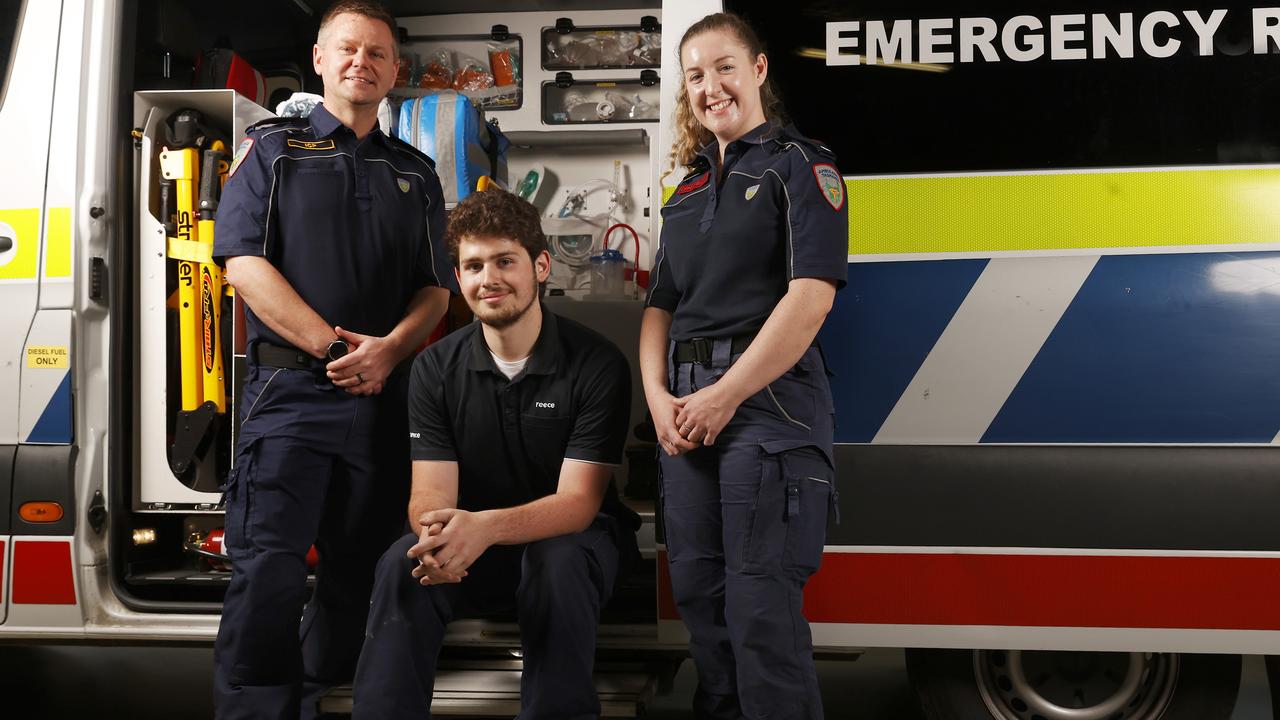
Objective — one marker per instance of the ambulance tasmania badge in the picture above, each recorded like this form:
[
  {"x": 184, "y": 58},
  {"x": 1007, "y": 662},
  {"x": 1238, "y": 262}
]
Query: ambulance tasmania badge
[
  {"x": 831, "y": 184},
  {"x": 403, "y": 184},
  {"x": 241, "y": 152}
]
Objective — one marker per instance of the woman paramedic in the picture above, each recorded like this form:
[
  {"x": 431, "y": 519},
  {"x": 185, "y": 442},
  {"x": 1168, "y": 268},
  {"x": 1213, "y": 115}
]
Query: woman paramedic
[{"x": 754, "y": 246}]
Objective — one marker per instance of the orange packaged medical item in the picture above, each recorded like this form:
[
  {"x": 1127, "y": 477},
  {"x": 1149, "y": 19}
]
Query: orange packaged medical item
[{"x": 500, "y": 64}]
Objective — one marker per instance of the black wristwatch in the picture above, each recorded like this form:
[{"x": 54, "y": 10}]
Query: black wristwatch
[{"x": 337, "y": 349}]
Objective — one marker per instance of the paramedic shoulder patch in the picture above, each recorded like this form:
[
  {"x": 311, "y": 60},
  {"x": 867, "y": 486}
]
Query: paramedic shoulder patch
[
  {"x": 831, "y": 184},
  {"x": 311, "y": 144},
  {"x": 241, "y": 153}
]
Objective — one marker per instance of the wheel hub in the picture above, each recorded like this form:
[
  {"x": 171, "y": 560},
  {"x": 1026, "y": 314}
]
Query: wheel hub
[{"x": 1045, "y": 685}]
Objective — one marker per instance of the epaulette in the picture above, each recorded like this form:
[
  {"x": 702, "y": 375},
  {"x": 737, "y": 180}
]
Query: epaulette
[
  {"x": 399, "y": 144},
  {"x": 272, "y": 122},
  {"x": 789, "y": 136}
]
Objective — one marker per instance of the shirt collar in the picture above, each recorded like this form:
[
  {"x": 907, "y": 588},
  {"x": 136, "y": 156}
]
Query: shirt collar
[
  {"x": 755, "y": 136},
  {"x": 544, "y": 360},
  {"x": 323, "y": 122},
  {"x": 760, "y": 133}
]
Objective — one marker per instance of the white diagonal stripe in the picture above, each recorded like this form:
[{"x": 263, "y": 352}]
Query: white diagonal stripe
[
  {"x": 982, "y": 354},
  {"x": 1276, "y": 439}
]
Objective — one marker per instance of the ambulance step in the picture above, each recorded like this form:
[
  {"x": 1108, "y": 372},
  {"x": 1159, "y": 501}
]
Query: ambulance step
[{"x": 491, "y": 688}]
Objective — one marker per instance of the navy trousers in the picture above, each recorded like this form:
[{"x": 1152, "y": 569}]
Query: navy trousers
[
  {"x": 745, "y": 523},
  {"x": 555, "y": 587},
  {"x": 314, "y": 464}
]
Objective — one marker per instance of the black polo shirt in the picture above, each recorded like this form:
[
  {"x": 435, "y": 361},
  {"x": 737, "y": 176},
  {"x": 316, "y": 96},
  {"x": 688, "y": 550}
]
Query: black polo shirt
[
  {"x": 355, "y": 226},
  {"x": 509, "y": 437},
  {"x": 732, "y": 242}
]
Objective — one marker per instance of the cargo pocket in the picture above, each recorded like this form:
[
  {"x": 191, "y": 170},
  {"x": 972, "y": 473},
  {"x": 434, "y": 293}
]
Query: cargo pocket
[
  {"x": 788, "y": 527},
  {"x": 660, "y": 517},
  {"x": 237, "y": 495}
]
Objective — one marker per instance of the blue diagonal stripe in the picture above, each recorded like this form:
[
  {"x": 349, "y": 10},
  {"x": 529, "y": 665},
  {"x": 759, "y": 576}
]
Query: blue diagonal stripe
[
  {"x": 54, "y": 425},
  {"x": 883, "y": 325},
  {"x": 1158, "y": 349}
]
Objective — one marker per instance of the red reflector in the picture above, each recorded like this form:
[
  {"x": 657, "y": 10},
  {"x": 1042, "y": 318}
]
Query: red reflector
[
  {"x": 40, "y": 512},
  {"x": 42, "y": 573}
]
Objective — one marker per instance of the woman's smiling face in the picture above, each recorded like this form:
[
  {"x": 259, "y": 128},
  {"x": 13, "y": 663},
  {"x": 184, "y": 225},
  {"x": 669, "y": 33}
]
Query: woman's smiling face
[{"x": 723, "y": 84}]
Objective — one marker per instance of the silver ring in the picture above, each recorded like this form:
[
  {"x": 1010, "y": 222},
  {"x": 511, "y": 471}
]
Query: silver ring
[{"x": 360, "y": 378}]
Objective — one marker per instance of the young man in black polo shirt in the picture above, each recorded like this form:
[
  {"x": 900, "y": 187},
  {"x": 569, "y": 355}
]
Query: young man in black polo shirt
[{"x": 515, "y": 424}]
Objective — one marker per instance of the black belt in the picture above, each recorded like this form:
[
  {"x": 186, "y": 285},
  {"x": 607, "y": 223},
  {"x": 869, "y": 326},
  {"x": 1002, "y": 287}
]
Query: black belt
[
  {"x": 698, "y": 350},
  {"x": 283, "y": 357}
]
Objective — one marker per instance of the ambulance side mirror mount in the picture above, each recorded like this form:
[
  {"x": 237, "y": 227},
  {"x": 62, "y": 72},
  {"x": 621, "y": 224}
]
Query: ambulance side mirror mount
[{"x": 6, "y": 244}]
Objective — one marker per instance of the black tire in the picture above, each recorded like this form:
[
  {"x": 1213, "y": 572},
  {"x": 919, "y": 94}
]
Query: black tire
[{"x": 946, "y": 685}]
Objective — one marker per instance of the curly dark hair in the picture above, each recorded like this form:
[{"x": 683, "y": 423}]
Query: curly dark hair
[
  {"x": 368, "y": 8},
  {"x": 495, "y": 214}
]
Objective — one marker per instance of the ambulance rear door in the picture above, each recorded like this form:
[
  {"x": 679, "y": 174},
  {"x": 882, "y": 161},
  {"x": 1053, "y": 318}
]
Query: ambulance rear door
[{"x": 28, "y": 50}]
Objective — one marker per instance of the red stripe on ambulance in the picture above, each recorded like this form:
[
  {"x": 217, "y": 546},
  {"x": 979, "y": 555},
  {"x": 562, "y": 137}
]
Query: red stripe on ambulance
[
  {"x": 42, "y": 573},
  {"x": 1220, "y": 593}
]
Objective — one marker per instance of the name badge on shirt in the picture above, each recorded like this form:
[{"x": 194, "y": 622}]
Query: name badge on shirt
[{"x": 311, "y": 144}]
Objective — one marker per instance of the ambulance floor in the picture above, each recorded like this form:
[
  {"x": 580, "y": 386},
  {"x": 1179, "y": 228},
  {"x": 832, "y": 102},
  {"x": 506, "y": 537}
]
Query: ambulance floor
[{"x": 150, "y": 683}]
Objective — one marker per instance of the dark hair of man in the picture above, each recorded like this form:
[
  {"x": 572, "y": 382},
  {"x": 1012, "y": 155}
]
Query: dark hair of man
[
  {"x": 495, "y": 214},
  {"x": 368, "y": 8}
]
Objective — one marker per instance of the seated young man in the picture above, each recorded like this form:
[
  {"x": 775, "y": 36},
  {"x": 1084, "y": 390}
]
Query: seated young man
[{"x": 515, "y": 424}]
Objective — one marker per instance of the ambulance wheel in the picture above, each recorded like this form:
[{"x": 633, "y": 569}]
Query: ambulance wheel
[{"x": 1046, "y": 685}]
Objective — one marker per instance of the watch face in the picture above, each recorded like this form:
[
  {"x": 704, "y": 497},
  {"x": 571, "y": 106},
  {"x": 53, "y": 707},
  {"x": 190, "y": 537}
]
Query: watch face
[{"x": 337, "y": 349}]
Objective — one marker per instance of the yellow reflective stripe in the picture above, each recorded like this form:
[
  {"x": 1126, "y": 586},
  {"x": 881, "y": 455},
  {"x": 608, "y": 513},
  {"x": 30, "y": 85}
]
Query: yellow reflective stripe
[
  {"x": 1062, "y": 211},
  {"x": 57, "y": 258},
  {"x": 668, "y": 191},
  {"x": 25, "y": 224}
]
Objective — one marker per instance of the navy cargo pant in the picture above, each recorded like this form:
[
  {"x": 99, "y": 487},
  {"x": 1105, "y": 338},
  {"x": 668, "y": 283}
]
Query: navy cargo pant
[
  {"x": 745, "y": 522},
  {"x": 314, "y": 464},
  {"x": 555, "y": 587}
]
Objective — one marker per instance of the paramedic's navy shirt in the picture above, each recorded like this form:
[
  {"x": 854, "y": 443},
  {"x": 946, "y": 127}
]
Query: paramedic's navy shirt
[
  {"x": 509, "y": 438},
  {"x": 730, "y": 246},
  {"x": 356, "y": 227}
]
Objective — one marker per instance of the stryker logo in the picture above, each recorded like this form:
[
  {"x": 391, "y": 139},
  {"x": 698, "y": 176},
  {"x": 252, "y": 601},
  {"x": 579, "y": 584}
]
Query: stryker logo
[
  {"x": 549, "y": 406},
  {"x": 206, "y": 307},
  {"x": 415, "y": 436}
]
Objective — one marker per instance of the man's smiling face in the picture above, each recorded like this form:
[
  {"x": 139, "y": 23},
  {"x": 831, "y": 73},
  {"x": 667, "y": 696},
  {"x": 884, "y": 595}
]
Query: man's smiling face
[
  {"x": 356, "y": 58},
  {"x": 498, "y": 279}
]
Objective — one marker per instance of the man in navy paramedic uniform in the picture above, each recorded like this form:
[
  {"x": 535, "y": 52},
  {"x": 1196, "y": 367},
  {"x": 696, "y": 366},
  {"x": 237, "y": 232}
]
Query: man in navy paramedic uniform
[
  {"x": 515, "y": 424},
  {"x": 332, "y": 234},
  {"x": 754, "y": 246}
]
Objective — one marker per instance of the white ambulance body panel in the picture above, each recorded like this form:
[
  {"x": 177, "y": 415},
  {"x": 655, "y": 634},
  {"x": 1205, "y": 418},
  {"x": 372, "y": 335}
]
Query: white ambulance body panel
[{"x": 25, "y": 118}]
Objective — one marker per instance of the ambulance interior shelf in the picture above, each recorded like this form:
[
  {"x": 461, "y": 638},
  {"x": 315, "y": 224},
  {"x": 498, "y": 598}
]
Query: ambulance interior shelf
[
  {"x": 566, "y": 47},
  {"x": 568, "y": 101},
  {"x": 485, "y": 68},
  {"x": 579, "y": 138}
]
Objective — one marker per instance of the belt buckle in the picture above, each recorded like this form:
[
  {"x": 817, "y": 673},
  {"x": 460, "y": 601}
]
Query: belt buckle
[{"x": 701, "y": 350}]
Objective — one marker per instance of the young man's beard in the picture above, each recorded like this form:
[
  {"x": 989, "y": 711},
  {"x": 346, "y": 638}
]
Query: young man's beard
[{"x": 506, "y": 317}]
